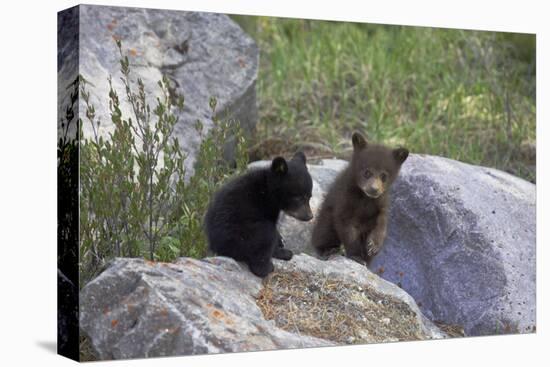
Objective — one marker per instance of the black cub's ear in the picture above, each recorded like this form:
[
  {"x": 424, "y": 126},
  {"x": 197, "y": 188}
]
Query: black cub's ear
[
  {"x": 359, "y": 141},
  {"x": 278, "y": 165},
  {"x": 300, "y": 156},
  {"x": 400, "y": 154}
]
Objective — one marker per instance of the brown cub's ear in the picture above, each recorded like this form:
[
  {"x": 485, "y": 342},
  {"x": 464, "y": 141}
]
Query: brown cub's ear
[
  {"x": 299, "y": 156},
  {"x": 400, "y": 154},
  {"x": 278, "y": 165},
  {"x": 359, "y": 141}
]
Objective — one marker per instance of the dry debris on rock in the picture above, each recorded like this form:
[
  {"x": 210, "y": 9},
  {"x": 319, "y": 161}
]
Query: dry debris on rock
[
  {"x": 453, "y": 330},
  {"x": 335, "y": 310}
]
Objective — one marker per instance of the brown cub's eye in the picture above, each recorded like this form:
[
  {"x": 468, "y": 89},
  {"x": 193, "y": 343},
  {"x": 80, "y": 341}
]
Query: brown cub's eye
[
  {"x": 368, "y": 173},
  {"x": 383, "y": 177}
]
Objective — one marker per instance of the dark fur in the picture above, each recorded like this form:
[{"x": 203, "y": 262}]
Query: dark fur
[
  {"x": 354, "y": 212},
  {"x": 241, "y": 221}
]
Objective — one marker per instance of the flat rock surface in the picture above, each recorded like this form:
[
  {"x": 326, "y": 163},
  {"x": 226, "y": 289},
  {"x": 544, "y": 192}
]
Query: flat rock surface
[
  {"x": 137, "y": 308},
  {"x": 203, "y": 54},
  {"x": 461, "y": 241}
]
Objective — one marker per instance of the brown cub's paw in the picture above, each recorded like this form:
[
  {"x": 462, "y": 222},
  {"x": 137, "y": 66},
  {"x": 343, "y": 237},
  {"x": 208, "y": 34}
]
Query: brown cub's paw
[
  {"x": 358, "y": 259},
  {"x": 374, "y": 243},
  {"x": 326, "y": 254}
]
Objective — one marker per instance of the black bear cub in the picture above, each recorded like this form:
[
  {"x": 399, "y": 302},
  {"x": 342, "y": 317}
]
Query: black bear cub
[
  {"x": 354, "y": 212},
  {"x": 241, "y": 221}
]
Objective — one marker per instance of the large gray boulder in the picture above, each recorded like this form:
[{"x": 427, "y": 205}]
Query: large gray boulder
[
  {"x": 461, "y": 241},
  {"x": 137, "y": 308},
  {"x": 203, "y": 54}
]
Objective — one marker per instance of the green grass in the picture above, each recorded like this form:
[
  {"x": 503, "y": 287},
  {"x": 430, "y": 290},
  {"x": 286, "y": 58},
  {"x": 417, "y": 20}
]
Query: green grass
[{"x": 466, "y": 95}]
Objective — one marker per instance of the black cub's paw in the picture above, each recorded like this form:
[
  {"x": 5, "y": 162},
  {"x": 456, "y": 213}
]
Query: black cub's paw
[
  {"x": 282, "y": 253},
  {"x": 261, "y": 270}
]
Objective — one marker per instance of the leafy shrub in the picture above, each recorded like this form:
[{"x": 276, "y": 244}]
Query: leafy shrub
[
  {"x": 134, "y": 199},
  {"x": 208, "y": 177},
  {"x": 67, "y": 186}
]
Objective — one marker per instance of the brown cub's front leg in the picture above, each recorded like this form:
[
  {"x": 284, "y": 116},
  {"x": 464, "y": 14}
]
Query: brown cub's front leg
[
  {"x": 376, "y": 237},
  {"x": 355, "y": 247}
]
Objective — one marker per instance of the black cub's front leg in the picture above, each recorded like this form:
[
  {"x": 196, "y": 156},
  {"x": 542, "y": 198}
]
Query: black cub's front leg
[
  {"x": 261, "y": 267},
  {"x": 280, "y": 251}
]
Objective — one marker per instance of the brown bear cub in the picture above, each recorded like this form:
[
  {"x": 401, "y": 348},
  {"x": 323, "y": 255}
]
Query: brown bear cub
[{"x": 354, "y": 212}]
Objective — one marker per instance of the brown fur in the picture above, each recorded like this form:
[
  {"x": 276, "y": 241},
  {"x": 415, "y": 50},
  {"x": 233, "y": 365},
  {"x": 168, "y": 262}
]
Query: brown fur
[{"x": 355, "y": 209}]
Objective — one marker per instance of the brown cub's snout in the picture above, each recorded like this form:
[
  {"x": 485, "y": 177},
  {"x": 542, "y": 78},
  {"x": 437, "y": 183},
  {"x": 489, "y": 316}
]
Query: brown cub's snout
[
  {"x": 373, "y": 187},
  {"x": 372, "y": 183}
]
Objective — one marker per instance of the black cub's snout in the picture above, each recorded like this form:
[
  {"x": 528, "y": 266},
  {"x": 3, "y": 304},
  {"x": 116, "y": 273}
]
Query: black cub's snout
[{"x": 303, "y": 213}]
